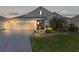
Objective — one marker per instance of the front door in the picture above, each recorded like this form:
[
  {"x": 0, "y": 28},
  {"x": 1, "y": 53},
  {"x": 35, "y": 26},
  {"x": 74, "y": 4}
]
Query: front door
[{"x": 40, "y": 24}]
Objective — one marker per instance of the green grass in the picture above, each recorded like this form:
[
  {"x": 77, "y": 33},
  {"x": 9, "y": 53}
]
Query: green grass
[{"x": 56, "y": 43}]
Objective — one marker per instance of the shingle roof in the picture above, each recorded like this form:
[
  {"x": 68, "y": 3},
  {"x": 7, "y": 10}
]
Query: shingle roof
[
  {"x": 2, "y": 18},
  {"x": 40, "y": 12}
]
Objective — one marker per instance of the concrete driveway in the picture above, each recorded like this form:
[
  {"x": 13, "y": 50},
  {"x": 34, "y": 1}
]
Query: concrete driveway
[{"x": 15, "y": 41}]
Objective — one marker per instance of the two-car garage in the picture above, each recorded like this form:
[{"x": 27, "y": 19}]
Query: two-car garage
[
  {"x": 20, "y": 25},
  {"x": 29, "y": 24}
]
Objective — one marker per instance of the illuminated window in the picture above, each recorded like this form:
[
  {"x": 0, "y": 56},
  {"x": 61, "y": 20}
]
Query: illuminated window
[{"x": 41, "y": 12}]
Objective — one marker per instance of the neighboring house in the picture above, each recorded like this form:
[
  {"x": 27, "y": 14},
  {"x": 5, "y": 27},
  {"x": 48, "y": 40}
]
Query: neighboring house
[{"x": 75, "y": 20}]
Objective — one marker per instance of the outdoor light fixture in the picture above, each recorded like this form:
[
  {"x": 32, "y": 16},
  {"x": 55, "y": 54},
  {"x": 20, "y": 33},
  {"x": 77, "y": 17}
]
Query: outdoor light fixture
[{"x": 38, "y": 23}]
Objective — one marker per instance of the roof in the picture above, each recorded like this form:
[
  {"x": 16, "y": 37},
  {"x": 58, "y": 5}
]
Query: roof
[
  {"x": 2, "y": 18},
  {"x": 39, "y": 12}
]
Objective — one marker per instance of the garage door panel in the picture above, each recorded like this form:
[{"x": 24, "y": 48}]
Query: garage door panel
[{"x": 20, "y": 26}]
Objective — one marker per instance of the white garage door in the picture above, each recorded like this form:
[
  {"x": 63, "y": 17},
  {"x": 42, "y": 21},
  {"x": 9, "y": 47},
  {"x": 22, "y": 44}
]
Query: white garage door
[
  {"x": 29, "y": 25},
  {"x": 20, "y": 25}
]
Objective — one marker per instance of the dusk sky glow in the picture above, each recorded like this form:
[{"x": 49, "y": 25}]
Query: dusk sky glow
[{"x": 13, "y": 11}]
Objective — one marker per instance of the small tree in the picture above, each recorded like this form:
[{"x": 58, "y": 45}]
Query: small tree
[
  {"x": 72, "y": 28},
  {"x": 56, "y": 23}
]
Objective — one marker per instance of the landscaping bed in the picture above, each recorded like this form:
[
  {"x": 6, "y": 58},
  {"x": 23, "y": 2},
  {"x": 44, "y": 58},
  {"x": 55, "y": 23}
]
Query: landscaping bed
[{"x": 56, "y": 43}]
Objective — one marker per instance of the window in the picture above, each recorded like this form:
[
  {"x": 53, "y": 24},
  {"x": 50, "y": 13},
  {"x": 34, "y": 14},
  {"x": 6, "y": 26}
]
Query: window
[{"x": 41, "y": 12}]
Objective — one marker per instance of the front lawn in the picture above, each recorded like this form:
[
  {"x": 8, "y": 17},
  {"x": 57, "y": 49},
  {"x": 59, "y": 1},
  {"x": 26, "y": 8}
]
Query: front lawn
[{"x": 56, "y": 43}]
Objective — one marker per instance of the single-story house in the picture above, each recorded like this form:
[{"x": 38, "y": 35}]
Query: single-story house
[{"x": 37, "y": 19}]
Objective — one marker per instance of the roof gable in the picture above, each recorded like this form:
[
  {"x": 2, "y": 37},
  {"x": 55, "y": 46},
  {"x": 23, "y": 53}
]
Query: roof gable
[{"x": 39, "y": 13}]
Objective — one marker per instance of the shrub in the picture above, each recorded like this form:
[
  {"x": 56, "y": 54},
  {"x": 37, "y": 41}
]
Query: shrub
[
  {"x": 58, "y": 22},
  {"x": 72, "y": 28},
  {"x": 48, "y": 30},
  {"x": 61, "y": 30}
]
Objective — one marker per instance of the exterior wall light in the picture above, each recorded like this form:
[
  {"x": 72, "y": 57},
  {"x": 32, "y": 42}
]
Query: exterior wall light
[{"x": 38, "y": 23}]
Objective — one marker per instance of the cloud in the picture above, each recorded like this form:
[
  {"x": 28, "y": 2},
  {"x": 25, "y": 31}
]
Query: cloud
[
  {"x": 67, "y": 13},
  {"x": 64, "y": 12},
  {"x": 14, "y": 13}
]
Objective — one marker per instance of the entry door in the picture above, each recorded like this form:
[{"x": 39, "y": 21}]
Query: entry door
[{"x": 40, "y": 24}]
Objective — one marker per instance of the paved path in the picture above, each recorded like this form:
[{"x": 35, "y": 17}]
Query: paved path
[{"x": 15, "y": 42}]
